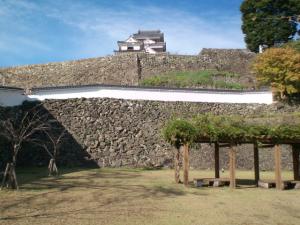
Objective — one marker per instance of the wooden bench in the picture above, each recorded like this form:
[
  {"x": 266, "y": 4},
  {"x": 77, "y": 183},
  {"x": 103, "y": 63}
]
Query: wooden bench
[
  {"x": 272, "y": 184},
  {"x": 215, "y": 182},
  {"x": 296, "y": 184}
]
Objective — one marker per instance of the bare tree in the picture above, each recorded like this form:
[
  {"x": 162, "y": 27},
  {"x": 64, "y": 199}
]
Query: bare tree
[
  {"x": 55, "y": 138},
  {"x": 19, "y": 129}
]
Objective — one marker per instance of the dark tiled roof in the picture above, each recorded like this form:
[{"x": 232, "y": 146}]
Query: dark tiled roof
[
  {"x": 129, "y": 43},
  {"x": 11, "y": 88},
  {"x": 158, "y": 44},
  {"x": 151, "y": 34}
]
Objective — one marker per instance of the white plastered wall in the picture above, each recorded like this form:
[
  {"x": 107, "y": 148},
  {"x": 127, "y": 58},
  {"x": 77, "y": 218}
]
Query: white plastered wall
[
  {"x": 264, "y": 97},
  {"x": 11, "y": 97}
]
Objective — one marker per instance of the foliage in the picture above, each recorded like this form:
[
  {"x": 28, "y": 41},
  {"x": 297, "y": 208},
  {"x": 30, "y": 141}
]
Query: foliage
[
  {"x": 179, "y": 132},
  {"x": 280, "y": 68},
  {"x": 228, "y": 85},
  {"x": 207, "y": 78},
  {"x": 219, "y": 127},
  {"x": 269, "y": 22},
  {"x": 295, "y": 44},
  {"x": 235, "y": 129}
]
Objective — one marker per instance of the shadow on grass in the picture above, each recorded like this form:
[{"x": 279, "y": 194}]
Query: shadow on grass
[
  {"x": 28, "y": 175},
  {"x": 85, "y": 181},
  {"x": 245, "y": 183},
  {"x": 104, "y": 188}
]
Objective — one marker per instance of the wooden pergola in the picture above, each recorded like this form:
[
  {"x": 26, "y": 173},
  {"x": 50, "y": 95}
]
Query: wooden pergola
[{"x": 276, "y": 145}]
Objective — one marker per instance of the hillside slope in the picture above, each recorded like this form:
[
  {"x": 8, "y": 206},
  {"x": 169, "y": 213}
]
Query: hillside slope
[{"x": 127, "y": 69}]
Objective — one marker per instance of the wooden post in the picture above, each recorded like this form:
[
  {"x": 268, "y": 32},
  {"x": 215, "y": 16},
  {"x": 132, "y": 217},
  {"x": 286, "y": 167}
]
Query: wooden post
[
  {"x": 296, "y": 168},
  {"x": 186, "y": 165},
  {"x": 256, "y": 163},
  {"x": 278, "y": 179},
  {"x": 232, "y": 164},
  {"x": 217, "y": 160},
  {"x": 176, "y": 165}
]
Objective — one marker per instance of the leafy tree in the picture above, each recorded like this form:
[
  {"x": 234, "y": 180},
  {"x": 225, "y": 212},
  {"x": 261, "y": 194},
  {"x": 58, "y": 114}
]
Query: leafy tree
[
  {"x": 280, "y": 68},
  {"x": 268, "y": 22}
]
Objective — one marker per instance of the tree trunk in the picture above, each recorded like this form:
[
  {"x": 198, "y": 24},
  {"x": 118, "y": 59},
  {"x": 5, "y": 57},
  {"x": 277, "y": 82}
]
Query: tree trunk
[
  {"x": 10, "y": 177},
  {"x": 52, "y": 167},
  {"x": 176, "y": 165}
]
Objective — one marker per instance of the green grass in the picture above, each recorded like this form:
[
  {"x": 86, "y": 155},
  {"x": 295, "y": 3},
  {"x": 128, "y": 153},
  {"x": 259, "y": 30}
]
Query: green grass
[
  {"x": 206, "y": 78},
  {"x": 126, "y": 196}
]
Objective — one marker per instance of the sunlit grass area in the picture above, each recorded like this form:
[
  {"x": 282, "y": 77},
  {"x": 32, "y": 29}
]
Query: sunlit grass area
[
  {"x": 137, "y": 196},
  {"x": 205, "y": 78}
]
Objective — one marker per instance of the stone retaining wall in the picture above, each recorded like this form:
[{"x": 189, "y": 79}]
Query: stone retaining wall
[
  {"x": 119, "y": 69},
  {"x": 117, "y": 133},
  {"x": 126, "y": 69}
]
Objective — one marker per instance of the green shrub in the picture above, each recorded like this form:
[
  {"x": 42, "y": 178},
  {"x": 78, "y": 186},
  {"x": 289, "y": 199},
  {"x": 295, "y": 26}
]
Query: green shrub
[
  {"x": 179, "y": 132},
  {"x": 228, "y": 85}
]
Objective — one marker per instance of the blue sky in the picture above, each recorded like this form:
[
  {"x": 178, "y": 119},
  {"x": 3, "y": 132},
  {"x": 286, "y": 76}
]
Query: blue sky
[{"x": 39, "y": 31}]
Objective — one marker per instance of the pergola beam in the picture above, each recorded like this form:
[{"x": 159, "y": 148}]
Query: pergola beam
[
  {"x": 224, "y": 145},
  {"x": 270, "y": 142},
  {"x": 267, "y": 146}
]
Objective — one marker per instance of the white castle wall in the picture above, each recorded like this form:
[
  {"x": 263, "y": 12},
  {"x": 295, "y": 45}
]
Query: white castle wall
[
  {"x": 154, "y": 94},
  {"x": 11, "y": 97}
]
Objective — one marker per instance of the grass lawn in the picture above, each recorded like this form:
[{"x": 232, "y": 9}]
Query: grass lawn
[
  {"x": 135, "y": 196},
  {"x": 205, "y": 78}
]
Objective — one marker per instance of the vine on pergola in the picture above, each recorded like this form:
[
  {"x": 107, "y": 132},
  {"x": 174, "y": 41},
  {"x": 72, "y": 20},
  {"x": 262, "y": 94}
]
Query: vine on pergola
[
  {"x": 232, "y": 129},
  {"x": 229, "y": 129},
  {"x": 179, "y": 133}
]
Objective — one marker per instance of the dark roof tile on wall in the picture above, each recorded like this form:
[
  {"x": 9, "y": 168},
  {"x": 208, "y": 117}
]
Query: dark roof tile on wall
[{"x": 151, "y": 34}]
